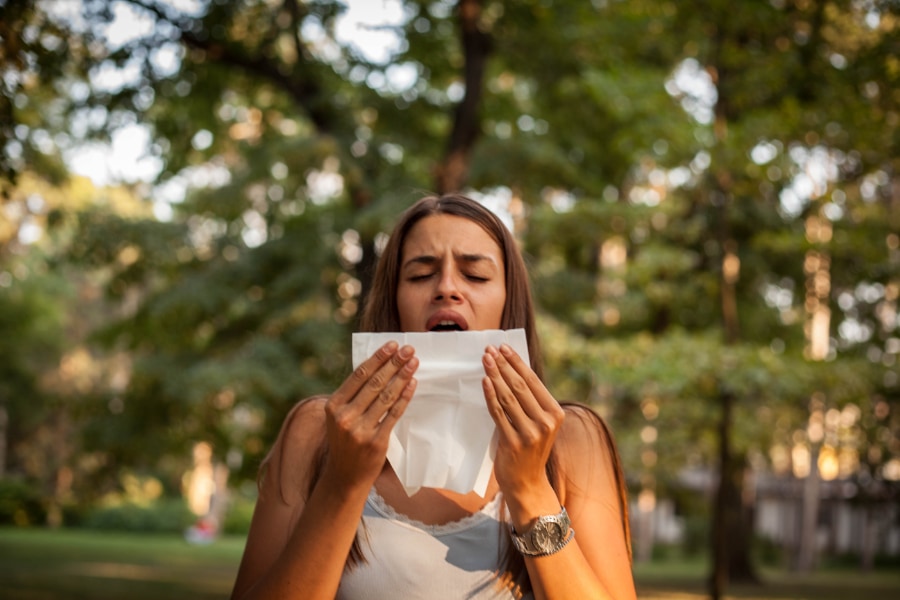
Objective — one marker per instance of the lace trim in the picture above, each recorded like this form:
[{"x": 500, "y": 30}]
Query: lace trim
[{"x": 488, "y": 511}]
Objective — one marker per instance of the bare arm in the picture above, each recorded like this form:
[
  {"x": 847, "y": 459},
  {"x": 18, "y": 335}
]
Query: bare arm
[
  {"x": 596, "y": 563},
  {"x": 298, "y": 545},
  {"x": 592, "y": 499}
]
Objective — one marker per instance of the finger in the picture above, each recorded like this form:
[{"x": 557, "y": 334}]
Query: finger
[
  {"x": 515, "y": 382},
  {"x": 379, "y": 383},
  {"x": 495, "y": 409},
  {"x": 543, "y": 399},
  {"x": 505, "y": 397},
  {"x": 397, "y": 408},
  {"x": 361, "y": 374},
  {"x": 392, "y": 392}
]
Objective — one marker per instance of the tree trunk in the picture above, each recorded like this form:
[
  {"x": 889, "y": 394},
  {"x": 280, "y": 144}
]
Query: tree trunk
[
  {"x": 451, "y": 174},
  {"x": 732, "y": 527},
  {"x": 738, "y": 524},
  {"x": 806, "y": 555},
  {"x": 719, "y": 577},
  {"x": 4, "y": 420},
  {"x": 731, "y": 531},
  {"x": 869, "y": 539}
]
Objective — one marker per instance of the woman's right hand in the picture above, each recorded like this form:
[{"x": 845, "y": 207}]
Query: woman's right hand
[{"x": 362, "y": 412}]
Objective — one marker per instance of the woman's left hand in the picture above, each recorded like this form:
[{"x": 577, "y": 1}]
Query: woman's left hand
[{"x": 528, "y": 418}]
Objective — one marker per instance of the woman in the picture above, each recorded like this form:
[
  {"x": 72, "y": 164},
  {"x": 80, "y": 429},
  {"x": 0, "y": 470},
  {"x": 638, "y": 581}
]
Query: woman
[{"x": 333, "y": 519}]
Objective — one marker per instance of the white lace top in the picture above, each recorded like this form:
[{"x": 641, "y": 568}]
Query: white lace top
[{"x": 407, "y": 559}]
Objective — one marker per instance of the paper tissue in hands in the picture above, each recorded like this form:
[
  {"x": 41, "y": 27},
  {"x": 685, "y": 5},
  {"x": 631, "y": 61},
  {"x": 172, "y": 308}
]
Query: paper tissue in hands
[{"x": 445, "y": 439}]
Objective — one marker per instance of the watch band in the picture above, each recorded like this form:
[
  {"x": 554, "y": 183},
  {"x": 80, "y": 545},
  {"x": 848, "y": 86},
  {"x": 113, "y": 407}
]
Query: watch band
[{"x": 548, "y": 535}]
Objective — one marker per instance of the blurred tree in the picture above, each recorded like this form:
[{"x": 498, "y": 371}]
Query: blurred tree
[
  {"x": 44, "y": 320},
  {"x": 775, "y": 166},
  {"x": 684, "y": 176},
  {"x": 31, "y": 323},
  {"x": 276, "y": 129}
]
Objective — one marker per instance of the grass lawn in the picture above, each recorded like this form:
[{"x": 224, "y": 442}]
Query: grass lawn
[
  {"x": 40, "y": 564},
  {"x": 686, "y": 580}
]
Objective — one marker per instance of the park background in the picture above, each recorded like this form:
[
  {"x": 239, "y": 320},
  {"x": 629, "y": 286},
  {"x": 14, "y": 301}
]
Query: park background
[{"x": 707, "y": 192}]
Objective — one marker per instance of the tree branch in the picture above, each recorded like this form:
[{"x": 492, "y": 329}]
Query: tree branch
[{"x": 306, "y": 92}]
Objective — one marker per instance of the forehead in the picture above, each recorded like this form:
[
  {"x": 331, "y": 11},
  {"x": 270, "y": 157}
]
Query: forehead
[{"x": 438, "y": 234}]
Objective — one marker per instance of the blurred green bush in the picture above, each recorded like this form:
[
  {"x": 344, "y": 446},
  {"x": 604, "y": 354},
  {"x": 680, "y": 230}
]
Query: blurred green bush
[
  {"x": 163, "y": 515},
  {"x": 21, "y": 503},
  {"x": 240, "y": 512}
]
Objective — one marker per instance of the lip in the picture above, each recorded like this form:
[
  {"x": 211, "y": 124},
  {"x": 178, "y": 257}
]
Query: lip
[{"x": 447, "y": 315}]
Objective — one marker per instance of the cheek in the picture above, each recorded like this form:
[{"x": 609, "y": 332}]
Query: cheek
[
  {"x": 406, "y": 305},
  {"x": 498, "y": 303}
]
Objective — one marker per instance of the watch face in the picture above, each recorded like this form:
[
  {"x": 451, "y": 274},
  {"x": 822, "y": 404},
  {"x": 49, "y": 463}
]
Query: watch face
[{"x": 546, "y": 536}]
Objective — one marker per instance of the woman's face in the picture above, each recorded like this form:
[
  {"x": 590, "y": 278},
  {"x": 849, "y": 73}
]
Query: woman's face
[{"x": 451, "y": 277}]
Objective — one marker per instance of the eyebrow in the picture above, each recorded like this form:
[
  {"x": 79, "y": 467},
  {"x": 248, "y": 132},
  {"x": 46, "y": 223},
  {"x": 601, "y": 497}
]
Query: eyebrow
[{"x": 427, "y": 259}]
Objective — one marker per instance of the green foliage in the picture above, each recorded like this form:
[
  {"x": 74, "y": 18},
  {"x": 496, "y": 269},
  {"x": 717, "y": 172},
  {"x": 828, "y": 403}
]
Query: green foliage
[
  {"x": 33, "y": 320},
  {"x": 769, "y": 553},
  {"x": 21, "y": 503},
  {"x": 169, "y": 515},
  {"x": 239, "y": 515}
]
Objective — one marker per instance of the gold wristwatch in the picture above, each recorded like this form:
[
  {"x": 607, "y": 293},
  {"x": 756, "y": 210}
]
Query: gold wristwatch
[{"x": 548, "y": 535}]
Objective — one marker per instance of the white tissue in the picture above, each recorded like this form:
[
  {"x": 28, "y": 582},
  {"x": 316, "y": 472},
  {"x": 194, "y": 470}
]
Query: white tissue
[{"x": 446, "y": 437}]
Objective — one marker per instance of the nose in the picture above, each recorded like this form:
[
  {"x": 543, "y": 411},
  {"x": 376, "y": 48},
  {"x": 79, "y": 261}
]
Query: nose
[{"x": 447, "y": 286}]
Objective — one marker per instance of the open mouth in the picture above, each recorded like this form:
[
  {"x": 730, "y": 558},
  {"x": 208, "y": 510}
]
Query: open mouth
[
  {"x": 446, "y": 320},
  {"x": 447, "y": 326}
]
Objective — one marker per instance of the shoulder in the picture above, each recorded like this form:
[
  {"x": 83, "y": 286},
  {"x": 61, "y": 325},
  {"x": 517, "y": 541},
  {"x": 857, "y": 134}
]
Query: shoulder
[
  {"x": 292, "y": 463},
  {"x": 583, "y": 429},
  {"x": 305, "y": 421},
  {"x": 586, "y": 452}
]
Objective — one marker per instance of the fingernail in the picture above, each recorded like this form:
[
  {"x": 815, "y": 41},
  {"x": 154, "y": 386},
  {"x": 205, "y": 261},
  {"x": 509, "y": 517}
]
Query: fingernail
[
  {"x": 489, "y": 360},
  {"x": 406, "y": 351},
  {"x": 505, "y": 349},
  {"x": 390, "y": 346}
]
